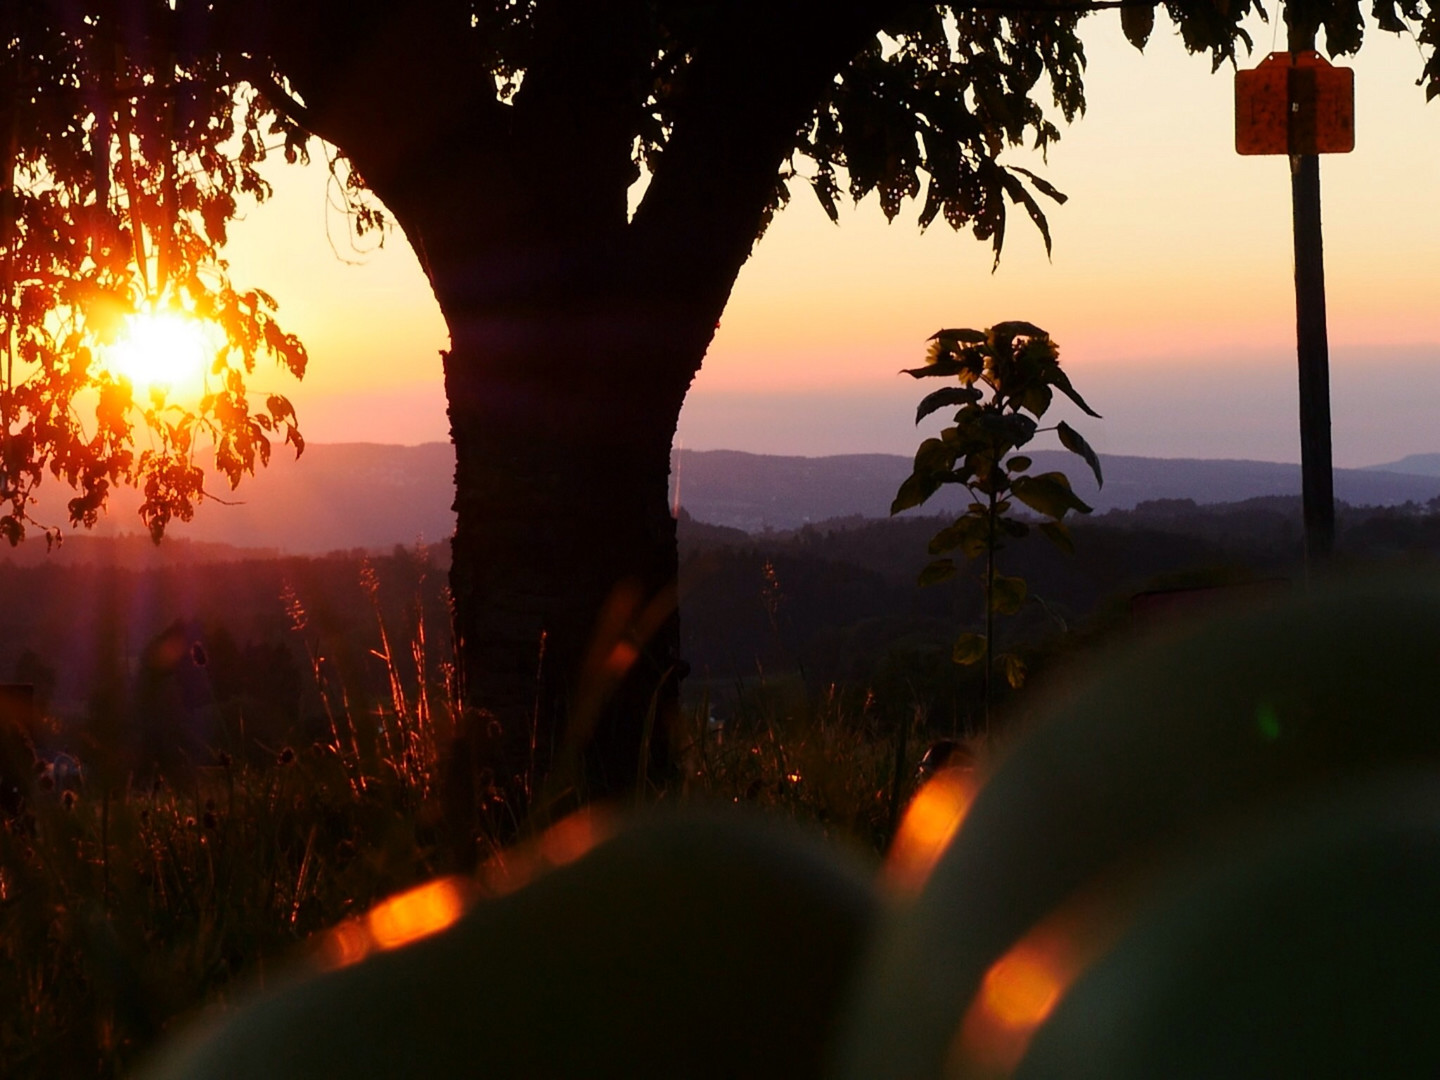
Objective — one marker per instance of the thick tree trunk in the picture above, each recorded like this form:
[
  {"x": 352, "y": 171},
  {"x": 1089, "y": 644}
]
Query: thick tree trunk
[
  {"x": 565, "y": 561},
  {"x": 575, "y": 333}
]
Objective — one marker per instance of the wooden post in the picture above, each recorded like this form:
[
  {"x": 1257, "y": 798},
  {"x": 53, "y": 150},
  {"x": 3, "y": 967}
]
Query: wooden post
[{"x": 1312, "y": 345}]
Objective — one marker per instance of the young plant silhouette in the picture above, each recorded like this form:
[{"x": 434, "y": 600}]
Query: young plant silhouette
[{"x": 1007, "y": 375}]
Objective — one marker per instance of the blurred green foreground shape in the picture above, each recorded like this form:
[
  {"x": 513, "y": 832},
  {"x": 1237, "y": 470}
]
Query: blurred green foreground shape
[
  {"x": 1218, "y": 854},
  {"x": 1219, "y": 857}
]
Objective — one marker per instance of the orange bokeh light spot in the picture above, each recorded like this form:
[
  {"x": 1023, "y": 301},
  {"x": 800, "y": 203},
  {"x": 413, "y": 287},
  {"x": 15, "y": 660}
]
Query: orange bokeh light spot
[
  {"x": 424, "y": 910},
  {"x": 930, "y": 822},
  {"x": 622, "y": 658},
  {"x": 576, "y": 835},
  {"x": 1020, "y": 990},
  {"x": 564, "y": 842},
  {"x": 1018, "y": 993},
  {"x": 347, "y": 944}
]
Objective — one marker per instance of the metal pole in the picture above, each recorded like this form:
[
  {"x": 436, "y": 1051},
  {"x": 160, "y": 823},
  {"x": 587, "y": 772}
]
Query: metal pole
[{"x": 1312, "y": 344}]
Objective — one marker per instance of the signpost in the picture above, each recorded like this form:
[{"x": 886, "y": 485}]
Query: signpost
[{"x": 1295, "y": 103}]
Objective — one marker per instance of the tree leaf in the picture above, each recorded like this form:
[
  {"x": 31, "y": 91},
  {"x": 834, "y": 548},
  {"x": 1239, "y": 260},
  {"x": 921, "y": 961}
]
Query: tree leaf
[
  {"x": 950, "y": 395},
  {"x": 1007, "y": 594},
  {"x": 968, "y": 649},
  {"x": 1042, "y": 185},
  {"x": 938, "y": 571},
  {"x": 1018, "y": 464},
  {"x": 1076, "y": 444},
  {"x": 1137, "y": 22},
  {"x": 1015, "y": 188}
]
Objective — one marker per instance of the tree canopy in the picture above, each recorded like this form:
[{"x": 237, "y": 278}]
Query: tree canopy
[{"x": 126, "y": 157}]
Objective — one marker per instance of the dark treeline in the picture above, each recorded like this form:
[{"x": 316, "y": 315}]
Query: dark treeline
[
  {"x": 170, "y": 661},
  {"x": 838, "y": 603}
]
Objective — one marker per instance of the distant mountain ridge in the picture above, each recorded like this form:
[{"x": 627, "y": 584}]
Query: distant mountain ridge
[{"x": 341, "y": 496}]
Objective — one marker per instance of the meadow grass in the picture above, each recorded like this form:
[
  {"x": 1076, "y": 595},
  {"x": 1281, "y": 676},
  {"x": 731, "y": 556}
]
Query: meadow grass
[{"x": 127, "y": 904}]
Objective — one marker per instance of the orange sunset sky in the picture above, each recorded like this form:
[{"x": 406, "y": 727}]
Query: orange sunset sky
[{"x": 1170, "y": 290}]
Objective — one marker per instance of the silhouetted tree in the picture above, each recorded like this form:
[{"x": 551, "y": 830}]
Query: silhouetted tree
[{"x": 506, "y": 139}]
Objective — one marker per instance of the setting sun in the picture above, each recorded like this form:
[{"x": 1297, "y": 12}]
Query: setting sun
[{"x": 166, "y": 351}]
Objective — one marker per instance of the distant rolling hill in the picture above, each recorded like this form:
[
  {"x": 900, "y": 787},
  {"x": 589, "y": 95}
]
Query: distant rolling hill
[
  {"x": 1413, "y": 465},
  {"x": 753, "y": 491},
  {"x": 366, "y": 495},
  {"x": 336, "y": 496}
]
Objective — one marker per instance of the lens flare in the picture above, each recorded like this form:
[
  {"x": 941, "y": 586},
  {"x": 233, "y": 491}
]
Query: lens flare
[
  {"x": 562, "y": 843},
  {"x": 424, "y": 910},
  {"x": 1023, "y": 988},
  {"x": 163, "y": 351},
  {"x": 929, "y": 824}
]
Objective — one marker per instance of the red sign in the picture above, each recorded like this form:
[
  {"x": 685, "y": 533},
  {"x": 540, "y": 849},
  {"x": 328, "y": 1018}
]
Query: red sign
[{"x": 1295, "y": 105}]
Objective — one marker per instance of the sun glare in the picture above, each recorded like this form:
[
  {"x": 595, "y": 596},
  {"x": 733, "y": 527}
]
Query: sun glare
[{"x": 163, "y": 351}]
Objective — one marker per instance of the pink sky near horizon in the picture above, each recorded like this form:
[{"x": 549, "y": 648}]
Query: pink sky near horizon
[{"x": 1169, "y": 291}]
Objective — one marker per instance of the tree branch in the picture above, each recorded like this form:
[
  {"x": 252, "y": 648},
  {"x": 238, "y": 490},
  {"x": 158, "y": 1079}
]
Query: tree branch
[{"x": 747, "y": 96}]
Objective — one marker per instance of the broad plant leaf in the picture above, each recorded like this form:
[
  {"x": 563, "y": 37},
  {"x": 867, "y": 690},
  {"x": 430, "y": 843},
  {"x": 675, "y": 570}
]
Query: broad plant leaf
[
  {"x": 1049, "y": 494},
  {"x": 1062, "y": 383},
  {"x": 934, "y": 456},
  {"x": 969, "y": 533},
  {"x": 914, "y": 491},
  {"x": 1073, "y": 441},
  {"x": 967, "y": 336},
  {"x": 950, "y": 395},
  {"x": 930, "y": 371},
  {"x": 1007, "y": 595},
  {"x": 968, "y": 649}
]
